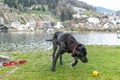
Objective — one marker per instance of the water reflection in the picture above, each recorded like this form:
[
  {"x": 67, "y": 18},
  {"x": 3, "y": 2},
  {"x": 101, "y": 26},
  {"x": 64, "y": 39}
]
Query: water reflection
[
  {"x": 98, "y": 38},
  {"x": 18, "y": 41},
  {"x": 22, "y": 41}
]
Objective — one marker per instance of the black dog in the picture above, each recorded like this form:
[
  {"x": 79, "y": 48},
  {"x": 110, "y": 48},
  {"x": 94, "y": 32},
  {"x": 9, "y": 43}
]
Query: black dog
[{"x": 65, "y": 42}]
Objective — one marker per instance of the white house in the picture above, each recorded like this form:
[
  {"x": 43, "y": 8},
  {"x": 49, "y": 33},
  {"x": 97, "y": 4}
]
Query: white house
[
  {"x": 50, "y": 30},
  {"x": 44, "y": 24},
  {"x": 77, "y": 15},
  {"x": 15, "y": 24},
  {"x": 21, "y": 27},
  {"x": 31, "y": 25},
  {"x": 93, "y": 20},
  {"x": 5, "y": 6},
  {"x": 58, "y": 25},
  {"x": 115, "y": 21}
]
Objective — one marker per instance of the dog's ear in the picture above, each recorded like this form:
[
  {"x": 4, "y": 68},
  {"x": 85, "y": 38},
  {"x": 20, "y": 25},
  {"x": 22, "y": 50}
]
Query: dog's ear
[{"x": 80, "y": 48}]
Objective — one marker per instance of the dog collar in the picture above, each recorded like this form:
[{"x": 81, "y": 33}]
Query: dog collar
[{"x": 74, "y": 48}]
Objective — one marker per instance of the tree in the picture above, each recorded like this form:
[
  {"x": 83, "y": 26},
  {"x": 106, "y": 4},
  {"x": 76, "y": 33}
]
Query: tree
[
  {"x": 20, "y": 7},
  {"x": 61, "y": 8},
  {"x": 42, "y": 8},
  {"x": 38, "y": 9},
  {"x": 26, "y": 3},
  {"x": 62, "y": 17},
  {"x": 6, "y": 1},
  {"x": 20, "y": 1},
  {"x": 70, "y": 15},
  {"x": 11, "y": 3},
  {"x": 49, "y": 6}
]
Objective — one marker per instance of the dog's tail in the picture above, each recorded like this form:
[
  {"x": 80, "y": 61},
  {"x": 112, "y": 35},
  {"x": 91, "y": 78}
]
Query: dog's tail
[{"x": 49, "y": 39}]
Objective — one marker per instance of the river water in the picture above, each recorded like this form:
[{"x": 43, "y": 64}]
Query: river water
[{"x": 23, "y": 41}]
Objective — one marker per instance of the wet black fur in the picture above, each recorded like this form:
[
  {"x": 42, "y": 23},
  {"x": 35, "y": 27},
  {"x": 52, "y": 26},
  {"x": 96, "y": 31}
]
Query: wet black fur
[{"x": 65, "y": 42}]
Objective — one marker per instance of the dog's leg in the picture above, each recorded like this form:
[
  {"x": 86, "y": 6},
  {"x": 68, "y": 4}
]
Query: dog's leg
[
  {"x": 61, "y": 50},
  {"x": 61, "y": 63},
  {"x": 59, "y": 53},
  {"x": 63, "y": 47},
  {"x": 55, "y": 45},
  {"x": 75, "y": 62},
  {"x": 54, "y": 61}
]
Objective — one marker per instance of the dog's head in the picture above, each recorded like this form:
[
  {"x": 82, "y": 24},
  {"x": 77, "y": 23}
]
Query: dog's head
[{"x": 81, "y": 53}]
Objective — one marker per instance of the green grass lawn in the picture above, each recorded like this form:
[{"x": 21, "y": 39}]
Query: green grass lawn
[{"x": 104, "y": 59}]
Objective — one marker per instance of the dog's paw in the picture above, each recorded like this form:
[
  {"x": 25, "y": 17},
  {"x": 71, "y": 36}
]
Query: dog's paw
[
  {"x": 52, "y": 69},
  {"x": 61, "y": 63},
  {"x": 71, "y": 65}
]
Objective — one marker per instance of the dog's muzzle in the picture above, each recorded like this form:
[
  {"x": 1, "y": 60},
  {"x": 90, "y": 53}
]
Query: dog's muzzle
[{"x": 84, "y": 60}]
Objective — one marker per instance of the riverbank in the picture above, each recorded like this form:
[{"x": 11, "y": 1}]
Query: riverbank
[{"x": 104, "y": 59}]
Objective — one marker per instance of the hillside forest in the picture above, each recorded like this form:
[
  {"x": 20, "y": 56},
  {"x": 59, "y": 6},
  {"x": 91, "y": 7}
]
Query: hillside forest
[{"x": 63, "y": 9}]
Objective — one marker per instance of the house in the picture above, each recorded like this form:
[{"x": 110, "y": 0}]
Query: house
[
  {"x": 115, "y": 21},
  {"x": 58, "y": 25},
  {"x": 50, "y": 30},
  {"x": 28, "y": 26},
  {"x": 21, "y": 27},
  {"x": 77, "y": 15},
  {"x": 31, "y": 25},
  {"x": 93, "y": 20},
  {"x": 3, "y": 28},
  {"x": 5, "y": 6},
  {"x": 39, "y": 23},
  {"x": 15, "y": 24}
]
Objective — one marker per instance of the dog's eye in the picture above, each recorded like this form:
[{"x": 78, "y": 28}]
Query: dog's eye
[{"x": 79, "y": 48}]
